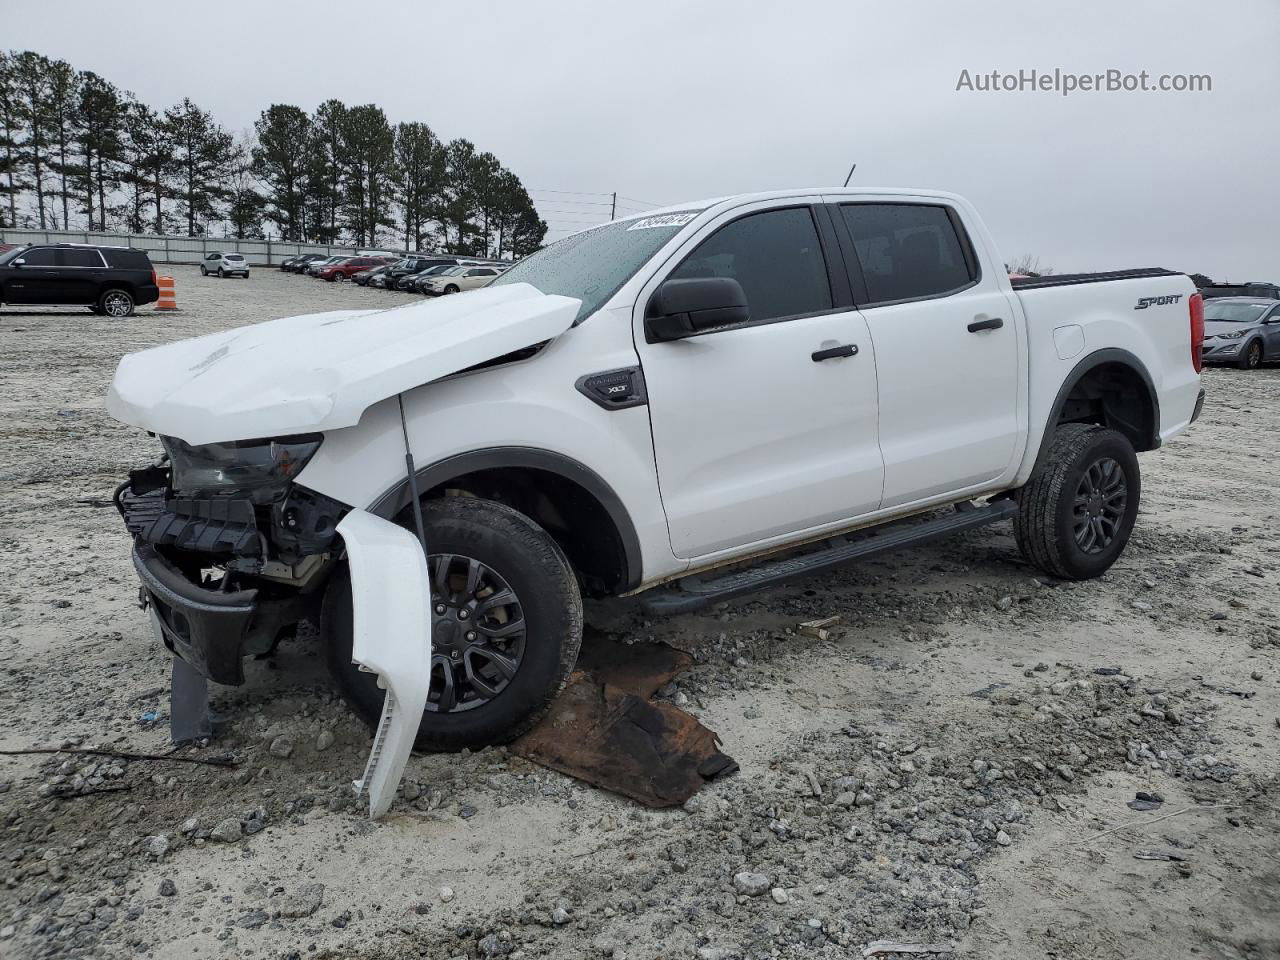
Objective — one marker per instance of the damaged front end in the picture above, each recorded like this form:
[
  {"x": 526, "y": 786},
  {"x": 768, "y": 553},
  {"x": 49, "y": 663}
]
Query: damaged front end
[
  {"x": 233, "y": 555},
  {"x": 230, "y": 552}
]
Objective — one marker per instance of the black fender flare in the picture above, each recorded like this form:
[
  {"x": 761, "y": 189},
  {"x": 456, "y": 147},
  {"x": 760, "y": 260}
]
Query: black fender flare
[
  {"x": 397, "y": 498},
  {"x": 1078, "y": 372}
]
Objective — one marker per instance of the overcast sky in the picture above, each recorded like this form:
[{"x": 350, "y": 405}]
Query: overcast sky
[{"x": 669, "y": 100}]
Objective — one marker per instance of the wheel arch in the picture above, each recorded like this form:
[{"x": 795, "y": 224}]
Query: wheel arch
[
  {"x": 567, "y": 498},
  {"x": 1110, "y": 387}
]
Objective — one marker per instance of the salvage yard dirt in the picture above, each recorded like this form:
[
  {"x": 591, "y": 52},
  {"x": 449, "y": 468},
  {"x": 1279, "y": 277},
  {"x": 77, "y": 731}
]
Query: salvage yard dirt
[{"x": 940, "y": 769}]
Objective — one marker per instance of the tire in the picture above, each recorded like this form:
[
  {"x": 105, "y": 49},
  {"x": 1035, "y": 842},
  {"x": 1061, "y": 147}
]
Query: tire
[
  {"x": 451, "y": 288},
  {"x": 116, "y": 303},
  {"x": 222, "y": 274},
  {"x": 516, "y": 553},
  {"x": 1251, "y": 356},
  {"x": 1049, "y": 530},
  {"x": 203, "y": 271}
]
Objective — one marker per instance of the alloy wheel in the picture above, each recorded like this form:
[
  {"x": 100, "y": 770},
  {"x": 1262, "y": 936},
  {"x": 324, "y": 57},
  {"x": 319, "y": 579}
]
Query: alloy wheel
[
  {"x": 1099, "y": 506},
  {"x": 1255, "y": 355},
  {"x": 116, "y": 304},
  {"x": 477, "y": 634}
]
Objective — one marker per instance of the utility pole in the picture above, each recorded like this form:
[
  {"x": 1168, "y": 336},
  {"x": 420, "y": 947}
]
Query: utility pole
[{"x": 613, "y": 207}]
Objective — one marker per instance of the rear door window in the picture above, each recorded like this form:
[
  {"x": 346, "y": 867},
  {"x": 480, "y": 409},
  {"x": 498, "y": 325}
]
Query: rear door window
[
  {"x": 775, "y": 255},
  {"x": 908, "y": 251},
  {"x": 81, "y": 258}
]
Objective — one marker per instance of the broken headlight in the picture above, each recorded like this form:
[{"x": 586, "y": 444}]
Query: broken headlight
[{"x": 259, "y": 470}]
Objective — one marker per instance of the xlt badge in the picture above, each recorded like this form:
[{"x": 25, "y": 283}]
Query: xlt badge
[{"x": 614, "y": 389}]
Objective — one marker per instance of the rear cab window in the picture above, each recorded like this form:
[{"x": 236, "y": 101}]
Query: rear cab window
[{"x": 909, "y": 251}]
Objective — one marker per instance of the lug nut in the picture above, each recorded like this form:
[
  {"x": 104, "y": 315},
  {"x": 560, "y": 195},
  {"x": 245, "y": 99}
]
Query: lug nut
[
  {"x": 462, "y": 614},
  {"x": 471, "y": 635},
  {"x": 440, "y": 609}
]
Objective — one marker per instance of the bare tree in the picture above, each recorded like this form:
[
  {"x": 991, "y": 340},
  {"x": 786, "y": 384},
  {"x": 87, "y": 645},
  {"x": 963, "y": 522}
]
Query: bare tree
[{"x": 1029, "y": 265}]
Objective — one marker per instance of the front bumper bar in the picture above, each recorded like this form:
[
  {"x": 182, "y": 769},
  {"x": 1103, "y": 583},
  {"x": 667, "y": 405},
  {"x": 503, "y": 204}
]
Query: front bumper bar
[
  {"x": 210, "y": 629},
  {"x": 205, "y": 628}
]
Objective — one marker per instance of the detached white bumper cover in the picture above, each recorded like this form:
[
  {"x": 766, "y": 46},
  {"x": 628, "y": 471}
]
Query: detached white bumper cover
[
  {"x": 391, "y": 603},
  {"x": 321, "y": 371}
]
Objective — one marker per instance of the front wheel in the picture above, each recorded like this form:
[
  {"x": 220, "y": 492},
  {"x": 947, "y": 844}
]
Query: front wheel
[
  {"x": 451, "y": 288},
  {"x": 506, "y": 627},
  {"x": 1077, "y": 511},
  {"x": 1251, "y": 359}
]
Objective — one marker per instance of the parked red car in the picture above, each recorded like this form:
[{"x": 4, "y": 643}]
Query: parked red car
[{"x": 346, "y": 269}]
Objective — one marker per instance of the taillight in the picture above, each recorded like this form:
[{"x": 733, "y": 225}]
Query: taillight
[
  {"x": 155, "y": 281},
  {"x": 1196, "y": 307}
]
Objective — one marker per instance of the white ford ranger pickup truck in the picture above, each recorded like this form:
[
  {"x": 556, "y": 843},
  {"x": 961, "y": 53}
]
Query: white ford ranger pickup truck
[{"x": 696, "y": 402}]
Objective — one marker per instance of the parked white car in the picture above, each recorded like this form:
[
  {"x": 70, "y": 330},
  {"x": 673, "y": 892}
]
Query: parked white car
[
  {"x": 458, "y": 279},
  {"x": 655, "y": 398},
  {"x": 224, "y": 265}
]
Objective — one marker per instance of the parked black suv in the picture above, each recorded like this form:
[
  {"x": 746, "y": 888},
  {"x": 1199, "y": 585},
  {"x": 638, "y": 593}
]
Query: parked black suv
[
  {"x": 108, "y": 280},
  {"x": 411, "y": 265}
]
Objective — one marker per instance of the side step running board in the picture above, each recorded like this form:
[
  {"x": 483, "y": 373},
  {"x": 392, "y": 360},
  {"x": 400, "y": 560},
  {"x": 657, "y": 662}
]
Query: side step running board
[{"x": 696, "y": 592}]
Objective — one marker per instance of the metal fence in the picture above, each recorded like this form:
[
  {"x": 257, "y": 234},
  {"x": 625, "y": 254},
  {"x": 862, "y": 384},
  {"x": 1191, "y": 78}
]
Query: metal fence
[{"x": 164, "y": 249}]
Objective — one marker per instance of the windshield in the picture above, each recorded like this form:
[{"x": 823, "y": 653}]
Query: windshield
[
  {"x": 437, "y": 269},
  {"x": 1234, "y": 312},
  {"x": 10, "y": 254},
  {"x": 592, "y": 265},
  {"x": 452, "y": 271}
]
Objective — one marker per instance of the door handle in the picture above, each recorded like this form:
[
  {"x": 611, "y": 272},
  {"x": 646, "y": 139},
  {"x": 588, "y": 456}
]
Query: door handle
[
  {"x": 992, "y": 323},
  {"x": 831, "y": 353}
]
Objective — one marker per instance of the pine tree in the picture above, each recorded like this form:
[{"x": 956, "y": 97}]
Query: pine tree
[
  {"x": 64, "y": 102},
  {"x": 486, "y": 177},
  {"x": 202, "y": 155},
  {"x": 10, "y": 148},
  {"x": 459, "y": 202},
  {"x": 32, "y": 74},
  {"x": 326, "y": 168},
  {"x": 367, "y": 161},
  {"x": 99, "y": 120},
  {"x": 247, "y": 204},
  {"x": 419, "y": 179},
  {"x": 144, "y": 155},
  {"x": 280, "y": 162}
]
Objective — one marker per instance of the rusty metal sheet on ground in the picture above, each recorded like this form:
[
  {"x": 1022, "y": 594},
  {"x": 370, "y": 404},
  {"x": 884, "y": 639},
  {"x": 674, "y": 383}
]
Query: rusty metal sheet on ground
[{"x": 603, "y": 729}]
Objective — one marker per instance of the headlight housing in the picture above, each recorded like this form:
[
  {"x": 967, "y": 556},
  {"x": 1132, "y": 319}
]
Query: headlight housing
[
  {"x": 260, "y": 470},
  {"x": 1232, "y": 335}
]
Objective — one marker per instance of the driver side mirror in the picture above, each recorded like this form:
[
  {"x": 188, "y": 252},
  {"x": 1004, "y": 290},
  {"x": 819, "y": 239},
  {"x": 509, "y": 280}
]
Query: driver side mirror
[
  {"x": 19, "y": 262},
  {"x": 686, "y": 308}
]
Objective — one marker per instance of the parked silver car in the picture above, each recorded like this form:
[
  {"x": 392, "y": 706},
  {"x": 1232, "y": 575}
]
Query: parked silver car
[
  {"x": 224, "y": 265},
  {"x": 1241, "y": 330}
]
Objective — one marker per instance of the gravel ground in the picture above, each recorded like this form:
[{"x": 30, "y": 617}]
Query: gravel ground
[{"x": 940, "y": 770}]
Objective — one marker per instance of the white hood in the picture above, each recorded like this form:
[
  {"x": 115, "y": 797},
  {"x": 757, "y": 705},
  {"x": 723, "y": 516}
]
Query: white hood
[{"x": 321, "y": 371}]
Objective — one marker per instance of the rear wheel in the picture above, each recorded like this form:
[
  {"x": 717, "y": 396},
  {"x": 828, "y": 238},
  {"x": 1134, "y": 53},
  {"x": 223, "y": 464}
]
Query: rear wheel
[
  {"x": 203, "y": 271},
  {"x": 1077, "y": 511},
  {"x": 1251, "y": 359},
  {"x": 506, "y": 627},
  {"x": 222, "y": 273},
  {"x": 116, "y": 303}
]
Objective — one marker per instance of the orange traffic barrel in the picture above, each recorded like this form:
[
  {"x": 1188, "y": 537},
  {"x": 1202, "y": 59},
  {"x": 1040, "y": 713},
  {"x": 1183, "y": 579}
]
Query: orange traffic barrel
[{"x": 168, "y": 298}]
